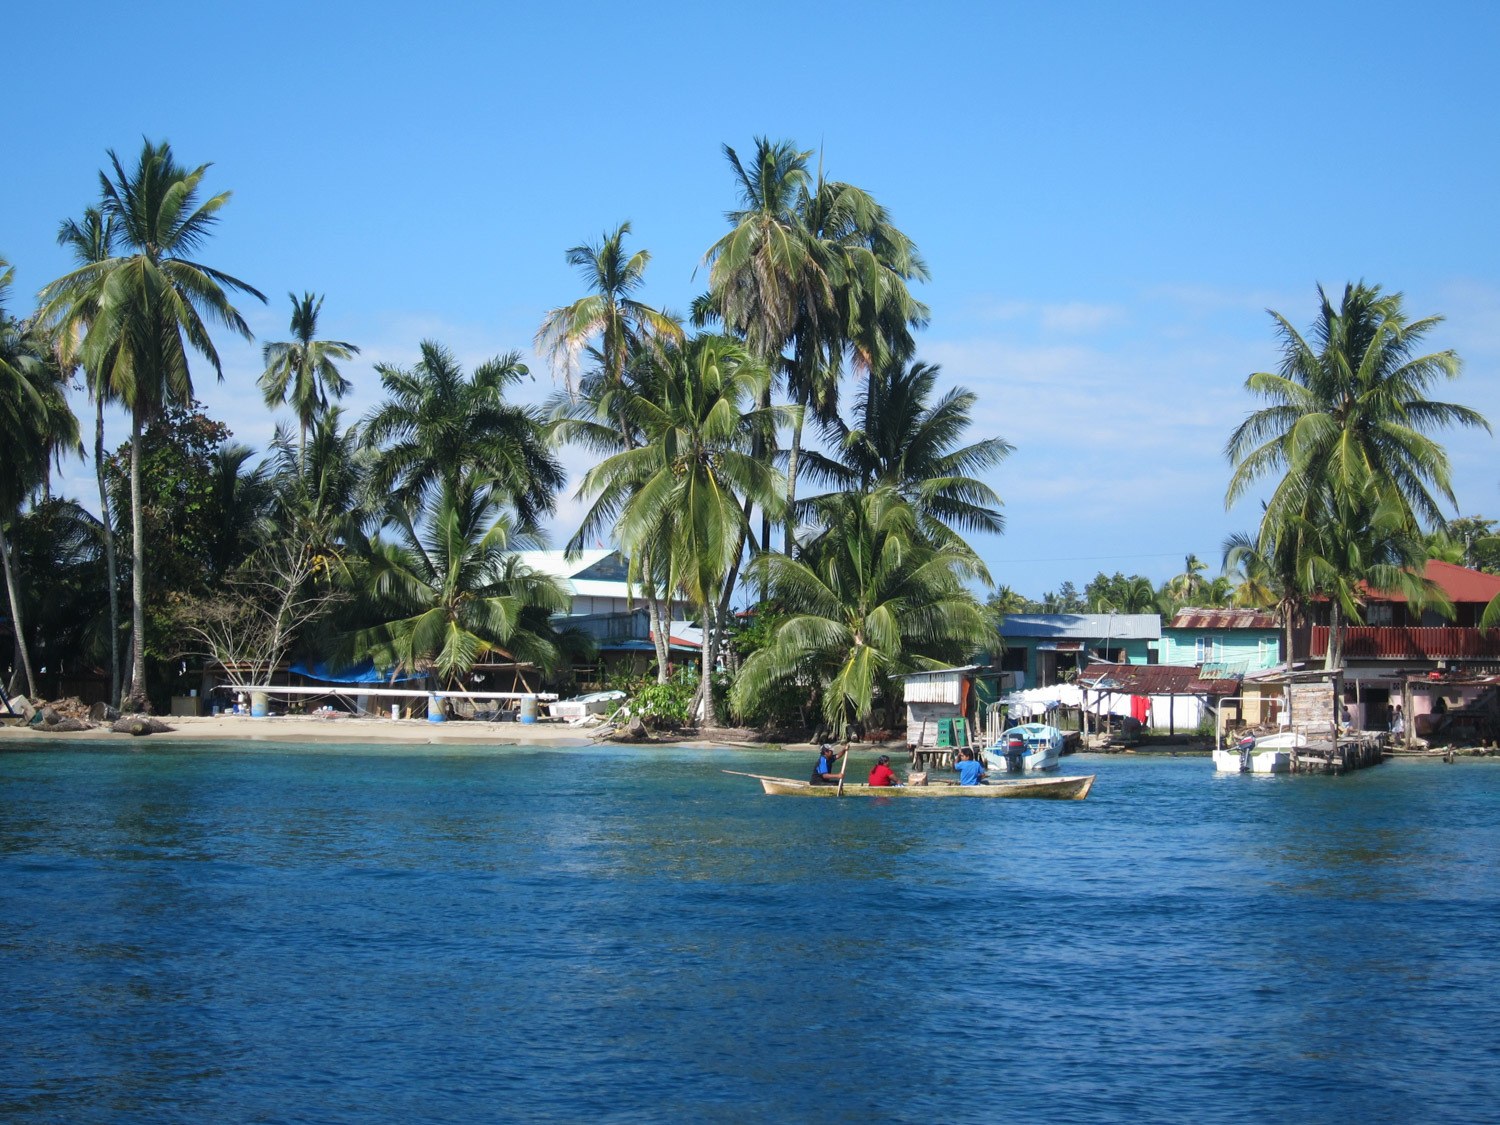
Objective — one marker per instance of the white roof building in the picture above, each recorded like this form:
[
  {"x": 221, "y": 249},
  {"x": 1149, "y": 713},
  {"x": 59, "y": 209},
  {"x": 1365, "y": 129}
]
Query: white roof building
[{"x": 598, "y": 581}]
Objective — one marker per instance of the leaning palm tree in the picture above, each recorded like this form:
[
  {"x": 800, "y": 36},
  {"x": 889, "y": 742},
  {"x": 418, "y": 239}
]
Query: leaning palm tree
[
  {"x": 609, "y": 321},
  {"x": 869, "y": 599},
  {"x": 36, "y": 426},
  {"x": 141, "y": 313},
  {"x": 681, "y": 498},
  {"x": 449, "y": 589},
  {"x": 303, "y": 370},
  {"x": 92, "y": 240},
  {"x": 438, "y": 427}
]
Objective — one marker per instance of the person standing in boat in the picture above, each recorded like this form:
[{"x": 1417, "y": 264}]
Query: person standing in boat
[
  {"x": 970, "y": 768},
  {"x": 882, "y": 775},
  {"x": 827, "y": 758}
]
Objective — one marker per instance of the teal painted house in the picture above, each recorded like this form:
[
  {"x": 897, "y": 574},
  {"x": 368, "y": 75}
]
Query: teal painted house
[{"x": 1235, "y": 641}]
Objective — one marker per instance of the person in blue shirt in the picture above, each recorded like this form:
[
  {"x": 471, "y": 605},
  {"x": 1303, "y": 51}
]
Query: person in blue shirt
[
  {"x": 970, "y": 769},
  {"x": 827, "y": 758}
]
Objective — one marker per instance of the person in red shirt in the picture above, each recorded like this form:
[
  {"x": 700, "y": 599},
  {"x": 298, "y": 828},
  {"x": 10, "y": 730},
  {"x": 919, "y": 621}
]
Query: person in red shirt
[{"x": 882, "y": 775}]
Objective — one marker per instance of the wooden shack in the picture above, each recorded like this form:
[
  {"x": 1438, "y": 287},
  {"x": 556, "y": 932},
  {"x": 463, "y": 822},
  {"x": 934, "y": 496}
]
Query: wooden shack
[{"x": 947, "y": 693}]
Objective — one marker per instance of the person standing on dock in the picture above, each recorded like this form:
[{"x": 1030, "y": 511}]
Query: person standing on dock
[
  {"x": 1398, "y": 722},
  {"x": 827, "y": 758}
]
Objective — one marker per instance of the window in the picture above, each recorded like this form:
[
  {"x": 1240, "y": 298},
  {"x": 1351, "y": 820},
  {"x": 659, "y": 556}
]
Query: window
[
  {"x": 1378, "y": 613},
  {"x": 1208, "y": 650}
]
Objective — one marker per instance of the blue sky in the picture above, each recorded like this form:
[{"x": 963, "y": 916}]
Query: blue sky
[{"x": 1109, "y": 197}]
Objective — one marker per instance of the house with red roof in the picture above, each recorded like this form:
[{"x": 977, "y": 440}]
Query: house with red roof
[{"x": 1398, "y": 639}]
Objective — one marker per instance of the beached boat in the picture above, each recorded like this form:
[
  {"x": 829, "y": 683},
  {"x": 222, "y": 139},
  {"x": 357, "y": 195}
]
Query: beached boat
[
  {"x": 1271, "y": 753},
  {"x": 1040, "y": 788},
  {"x": 582, "y": 706},
  {"x": 1030, "y": 746}
]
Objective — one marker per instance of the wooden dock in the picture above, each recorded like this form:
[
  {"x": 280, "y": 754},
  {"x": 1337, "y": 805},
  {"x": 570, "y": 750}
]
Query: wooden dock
[{"x": 1354, "y": 752}]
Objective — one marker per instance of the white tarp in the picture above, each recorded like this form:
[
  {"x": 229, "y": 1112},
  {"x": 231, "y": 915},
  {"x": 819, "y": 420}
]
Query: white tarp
[{"x": 1184, "y": 712}]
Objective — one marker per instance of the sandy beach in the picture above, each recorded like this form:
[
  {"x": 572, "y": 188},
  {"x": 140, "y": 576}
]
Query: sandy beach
[
  {"x": 351, "y": 729},
  {"x": 307, "y": 728}
]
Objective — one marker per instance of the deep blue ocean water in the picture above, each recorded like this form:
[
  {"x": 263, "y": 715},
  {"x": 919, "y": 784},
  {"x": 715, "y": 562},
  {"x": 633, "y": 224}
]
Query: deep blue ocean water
[{"x": 271, "y": 933}]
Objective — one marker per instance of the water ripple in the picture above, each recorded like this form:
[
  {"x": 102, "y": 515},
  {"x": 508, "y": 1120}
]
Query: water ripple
[{"x": 632, "y": 936}]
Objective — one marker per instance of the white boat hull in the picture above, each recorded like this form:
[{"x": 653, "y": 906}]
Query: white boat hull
[
  {"x": 1271, "y": 760},
  {"x": 1042, "y": 751}
]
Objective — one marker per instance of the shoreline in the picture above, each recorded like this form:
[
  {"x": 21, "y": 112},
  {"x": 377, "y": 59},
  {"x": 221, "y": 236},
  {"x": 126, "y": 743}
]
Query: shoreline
[{"x": 353, "y": 730}]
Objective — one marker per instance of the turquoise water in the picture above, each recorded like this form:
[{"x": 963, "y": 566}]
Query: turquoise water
[{"x": 273, "y": 934}]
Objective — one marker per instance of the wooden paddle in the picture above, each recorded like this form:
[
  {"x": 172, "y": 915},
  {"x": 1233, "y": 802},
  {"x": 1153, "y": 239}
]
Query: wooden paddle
[{"x": 843, "y": 771}]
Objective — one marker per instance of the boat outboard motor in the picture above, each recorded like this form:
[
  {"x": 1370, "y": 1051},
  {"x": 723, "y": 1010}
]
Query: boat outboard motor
[
  {"x": 1015, "y": 753},
  {"x": 1245, "y": 746}
]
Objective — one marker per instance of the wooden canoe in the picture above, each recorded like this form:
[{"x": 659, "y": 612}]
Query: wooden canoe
[{"x": 1040, "y": 788}]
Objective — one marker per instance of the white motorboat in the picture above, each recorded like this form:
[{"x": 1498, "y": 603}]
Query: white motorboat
[
  {"x": 1030, "y": 746},
  {"x": 1270, "y": 753}
]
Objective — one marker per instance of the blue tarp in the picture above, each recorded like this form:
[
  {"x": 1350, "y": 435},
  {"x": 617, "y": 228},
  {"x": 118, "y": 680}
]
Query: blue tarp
[{"x": 363, "y": 673}]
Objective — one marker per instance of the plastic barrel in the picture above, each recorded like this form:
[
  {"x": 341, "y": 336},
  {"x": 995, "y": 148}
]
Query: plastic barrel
[
  {"x": 260, "y": 705},
  {"x": 435, "y": 710},
  {"x": 528, "y": 708}
]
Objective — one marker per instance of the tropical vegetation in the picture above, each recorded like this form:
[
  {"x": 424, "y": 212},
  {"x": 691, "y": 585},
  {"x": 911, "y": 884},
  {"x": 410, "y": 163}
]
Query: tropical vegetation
[{"x": 792, "y": 398}]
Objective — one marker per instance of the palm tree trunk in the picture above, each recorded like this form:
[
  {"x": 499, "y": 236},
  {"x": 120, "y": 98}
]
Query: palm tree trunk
[
  {"x": 109, "y": 558},
  {"x": 705, "y": 677},
  {"x": 660, "y": 628},
  {"x": 137, "y": 700},
  {"x": 793, "y": 464},
  {"x": 24, "y": 662},
  {"x": 1334, "y": 657}
]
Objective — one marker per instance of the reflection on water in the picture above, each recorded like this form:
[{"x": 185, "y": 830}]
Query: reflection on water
[{"x": 222, "y": 934}]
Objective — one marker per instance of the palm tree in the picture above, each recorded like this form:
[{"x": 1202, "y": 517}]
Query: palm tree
[
  {"x": 901, "y": 438},
  {"x": 817, "y": 265},
  {"x": 1349, "y": 426},
  {"x": 1351, "y": 408},
  {"x": 681, "y": 498},
  {"x": 768, "y": 269},
  {"x": 302, "y": 370},
  {"x": 242, "y": 500},
  {"x": 317, "y": 490},
  {"x": 438, "y": 428},
  {"x": 450, "y": 589},
  {"x": 1364, "y": 544},
  {"x": 620, "y": 324},
  {"x": 617, "y": 331},
  {"x": 868, "y": 599},
  {"x": 92, "y": 241},
  {"x": 36, "y": 425},
  {"x": 140, "y": 314},
  {"x": 1186, "y": 587}
]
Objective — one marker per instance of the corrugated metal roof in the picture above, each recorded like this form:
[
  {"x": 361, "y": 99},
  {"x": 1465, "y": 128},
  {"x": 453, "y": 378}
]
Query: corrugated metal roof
[
  {"x": 938, "y": 672},
  {"x": 1459, "y": 582},
  {"x": 1083, "y": 626},
  {"x": 1190, "y": 617},
  {"x": 1154, "y": 679}
]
